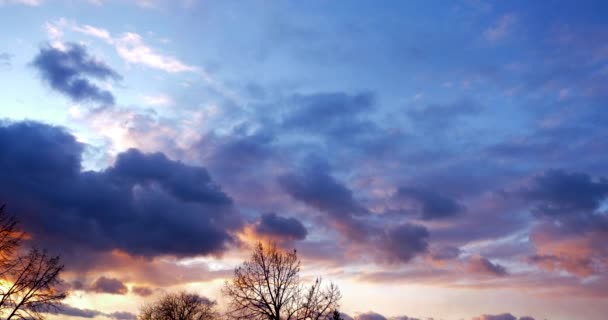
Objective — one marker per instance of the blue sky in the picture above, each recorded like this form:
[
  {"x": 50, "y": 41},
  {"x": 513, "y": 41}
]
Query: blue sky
[{"x": 435, "y": 159}]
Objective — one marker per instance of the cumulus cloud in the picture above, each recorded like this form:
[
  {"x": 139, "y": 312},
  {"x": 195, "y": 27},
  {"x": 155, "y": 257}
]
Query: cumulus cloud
[
  {"x": 109, "y": 285},
  {"x": 404, "y": 242},
  {"x": 70, "y": 71},
  {"x": 274, "y": 225},
  {"x": 315, "y": 187},
  {"x": 557, "y": 192},
  {"x": 145, "y": 205},
  {"x": 431, "y": 204}
]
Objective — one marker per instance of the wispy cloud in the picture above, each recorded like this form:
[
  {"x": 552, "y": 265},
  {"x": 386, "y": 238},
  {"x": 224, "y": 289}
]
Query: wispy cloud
[
  {"x": 501, "y": 29},
  {"x": 132, "y": 48},
  {"x": 158, "y": 100},
  {"x": 32, "y": 3}
]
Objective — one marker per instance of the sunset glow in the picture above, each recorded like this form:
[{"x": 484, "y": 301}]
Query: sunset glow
[{"x": 434, "y": 159}]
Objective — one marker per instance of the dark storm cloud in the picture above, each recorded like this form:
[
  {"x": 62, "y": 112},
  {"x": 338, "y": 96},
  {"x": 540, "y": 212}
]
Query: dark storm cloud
[
  {"x": 406, "y": 241},
  {"x": 482, "y": 265},
  {"x": 177, "y": 210},
  {"x": 433, "y": 205},
  {"x": 70, "y": 72},
  {"x": 109, "y": 285},
  {"x": 184, "y": 182},
  {"x": 557, "y": 192},
  {"x": 284, "y": 227}
]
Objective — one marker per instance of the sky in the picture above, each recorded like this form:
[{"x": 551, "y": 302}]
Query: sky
[{"x": 434, "y": 159}]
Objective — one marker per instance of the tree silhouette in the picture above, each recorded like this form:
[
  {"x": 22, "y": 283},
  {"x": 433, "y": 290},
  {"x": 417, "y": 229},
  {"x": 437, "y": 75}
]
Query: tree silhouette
[
  {"x": 336, "y": 315},
  {"x": 180, "y": 306},
  {"x": 30, "y": 282},
  {"x": 267, "y": 286}
]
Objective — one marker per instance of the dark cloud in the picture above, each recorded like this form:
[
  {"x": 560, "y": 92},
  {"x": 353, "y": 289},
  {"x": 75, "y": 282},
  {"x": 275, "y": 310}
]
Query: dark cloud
[
  {"x": 432, "y": 205},
  {"x": 144, "y": 205},
  {"x": 142, "y": 291},
  {"x": 482, "y": 265},
  {"x": 406, "y": 241},
  {"x": 336, "y": 114},
  {"x": 109, "y": 285},
  {"x": 187, "y": 183},
  {"x": 70, "y": 311},
  {"x": 67, "y": 310},
  {"x": 70, "y": 72},
  {"x": 445, "y": 253},
  {"x": 5, "y": 59},
  {"x": 439, "y": 117},
  {"x": 122, "y": 316},
  {"x": 557, "y": 192},
  {"x": 370, "y": 316},
  {"x": 315, "y": 187},
  {"x": 284, "y": 227},
  {"x": 503, "y": 316}
]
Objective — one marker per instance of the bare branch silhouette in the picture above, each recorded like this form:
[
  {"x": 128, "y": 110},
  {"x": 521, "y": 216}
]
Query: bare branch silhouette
[{"x": 267, "y": 286}]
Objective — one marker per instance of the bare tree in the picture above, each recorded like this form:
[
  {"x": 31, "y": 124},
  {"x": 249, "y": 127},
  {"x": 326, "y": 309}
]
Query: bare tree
[
  {"x": 31, "y": 281},
  {"x": 267, "y": 286},
  {"x": 180, "y": 306}
]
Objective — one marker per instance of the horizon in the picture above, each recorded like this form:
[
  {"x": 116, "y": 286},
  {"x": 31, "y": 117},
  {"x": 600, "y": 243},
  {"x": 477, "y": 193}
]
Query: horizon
[{"x": 434, "y": 159}]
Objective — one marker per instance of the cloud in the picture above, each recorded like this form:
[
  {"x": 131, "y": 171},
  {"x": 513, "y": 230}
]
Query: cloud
[
  {"x": 131, "y": 47},
  {"x": 67, "y": 310},
  {"x": 274, "y": 225},
  {"x": 5, "y": 59},
  {"x": 406, "y": 241},
  {"x": 370, "y": 316},
  {"x": 109, "y": 285},
  {"x": 187, "y": 183},
  {"x": 70, "y": 72},
  {"x": 142, "y": 291},
  {"x": 482, "y": 265},
  {"x": 335, "y": 113},
  {"x": 501, "y": 28},
  {"x": 158, "y": 100},
  {"x": 432, "y": 205},
  {"x": 31, "y": 3},
  {"x": 445, "y": 116},
  {"x": 144, "y": 205},
  {"x": 557, "y": 192},
  {"x": 315, "y": 187},
  {"x": 504, "y": 316}
]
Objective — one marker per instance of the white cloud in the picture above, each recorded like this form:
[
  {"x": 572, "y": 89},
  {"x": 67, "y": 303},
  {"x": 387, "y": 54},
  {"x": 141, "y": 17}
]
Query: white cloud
[
  {"x": 158, "y": 100},
  {"x": 501, "y": 28},
  {"x": 32, "y": 3},
  {"x": 131, "y": 47},
  {"x": 95, "y": 32}
]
